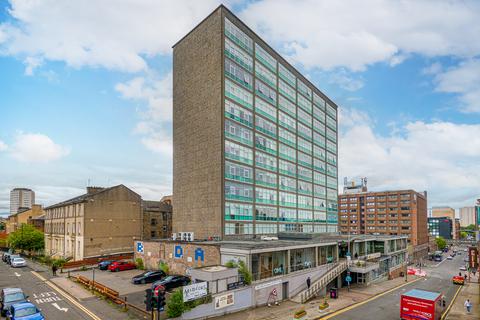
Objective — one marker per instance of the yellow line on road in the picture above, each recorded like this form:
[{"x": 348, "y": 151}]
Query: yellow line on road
[
  {"x": 336, "y": 313},
  {"x": 67, "y": 296},
  {"x": 444, "y": 315}
]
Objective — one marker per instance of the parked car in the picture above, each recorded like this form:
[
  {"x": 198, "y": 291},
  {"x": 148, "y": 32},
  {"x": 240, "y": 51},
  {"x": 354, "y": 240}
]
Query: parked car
[
  {"x": 9, "y": 297},
  {"x": 121, "y": 266},
  {"x": 24, "y": 311},
  {"x": 458, "y": 280},
  {"x": 171, "y": 282},
  {"x": 449, "y": 258},
  {"x": 103, "y": 265},
  {"x": 4, "y": 256},
  {"x": 11, "y": 257},
  {"x": 18, "y": 262},
  {"x": 463, "y": 268},
  {"x": 148, "y": 277}
]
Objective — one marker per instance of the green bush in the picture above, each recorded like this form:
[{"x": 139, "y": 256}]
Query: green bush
[
  {"x": 242, "y": 270},
  {"x": 231, "y": 264},
  {"x": 175, "y": 305},
  {"x": 139, "y": 263},
  {"x": 59, "y": 263},
  {"x": 164, "y": 267}
]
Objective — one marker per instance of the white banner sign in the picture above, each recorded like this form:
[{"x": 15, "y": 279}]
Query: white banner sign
[
  {"x": 224, "y": 301},
  {"x": 194, "y": 291}
]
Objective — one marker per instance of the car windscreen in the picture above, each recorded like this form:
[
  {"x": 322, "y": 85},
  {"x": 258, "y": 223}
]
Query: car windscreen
[
  {"x": 169, "y": 278},
  {"x": 18, "y": 260},
  {"x": 25, "y": 312},
  {"x": 14, "y": 297}
]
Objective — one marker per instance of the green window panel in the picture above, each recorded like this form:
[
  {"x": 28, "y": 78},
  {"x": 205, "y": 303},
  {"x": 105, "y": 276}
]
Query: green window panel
[
  {"x": 265, "y": 75},
  {"x": 265, "y": 58},
  {"x": 238, "y": 94},
  {"x": 331, "y": 111},
  {"x": 238, "y": 37},
  {"x": 238, "y": 211},
  {"x": 238, "y": 55},
  {"x": 286, "y": 75}
]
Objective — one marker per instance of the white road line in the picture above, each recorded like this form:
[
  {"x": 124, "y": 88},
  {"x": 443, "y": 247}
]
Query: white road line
[
  {"x": 67, "y": 296},
  {"x": 17, "y": 274},
  {"x": 58, "y": 307}
]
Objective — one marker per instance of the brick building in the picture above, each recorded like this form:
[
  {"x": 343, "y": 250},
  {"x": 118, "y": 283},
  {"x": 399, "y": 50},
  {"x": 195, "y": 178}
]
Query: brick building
[
  {"x": 157, "y": 219},
  {"x": 255, "y": 142},
  {"x": 400, "y": 212},
  {"x": 23, "y": 215},
  {"x": 101, "y": 222}
]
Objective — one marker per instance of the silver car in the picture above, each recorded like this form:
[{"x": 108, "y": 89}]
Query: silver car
[{"x": 19, "y": 262}]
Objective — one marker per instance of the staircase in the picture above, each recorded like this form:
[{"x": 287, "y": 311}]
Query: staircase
[{"x": 334, "y": 271}]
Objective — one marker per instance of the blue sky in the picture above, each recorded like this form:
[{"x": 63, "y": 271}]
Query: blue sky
[{"x": 86, "y": 91}]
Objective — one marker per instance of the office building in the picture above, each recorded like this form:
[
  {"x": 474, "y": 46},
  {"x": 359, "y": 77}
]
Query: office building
[
  {"x": 440, "y": 227},
  {"x": 443, "y": 212},
  {"x": 21, "y": 198},
  {"x": 467, "y": 216},
  {"x": 101, "y": 222},
  {"x": 399, "y": 212},
  {"x": 255, "y": 142}
]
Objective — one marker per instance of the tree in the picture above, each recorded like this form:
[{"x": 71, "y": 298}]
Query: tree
[
  {"x": 463, "y": 234},
  {"x": 470, "y": 227},
  {"x": 175, "y": 305},
  {"x": 441, "y": 243},
  {"x": 26, "y": 238},
  {"x": 163, "y": 266},
  {"x": 242, "y": 270}
]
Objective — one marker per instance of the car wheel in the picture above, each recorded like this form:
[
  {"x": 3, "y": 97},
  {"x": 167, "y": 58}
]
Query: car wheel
[
  {"x": 143, "y": 281},
  {"x": 116, "y": 270}
]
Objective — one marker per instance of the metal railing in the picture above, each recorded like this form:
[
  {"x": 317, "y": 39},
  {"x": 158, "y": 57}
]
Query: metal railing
[{"x": 318, "y": 285}]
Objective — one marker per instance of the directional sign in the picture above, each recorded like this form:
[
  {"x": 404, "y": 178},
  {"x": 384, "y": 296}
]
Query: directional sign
[
  {"x": 157, "y": 289},
  {"x": 348, "y": 279},
  {"x": 59, "y": 308}
]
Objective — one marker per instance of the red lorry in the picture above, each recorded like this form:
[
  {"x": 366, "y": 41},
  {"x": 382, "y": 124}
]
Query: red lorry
[{"x": 419, "y": 304}]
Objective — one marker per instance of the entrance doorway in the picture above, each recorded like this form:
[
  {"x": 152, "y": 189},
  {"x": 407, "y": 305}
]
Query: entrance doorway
[{"x": 285, "y": 291}]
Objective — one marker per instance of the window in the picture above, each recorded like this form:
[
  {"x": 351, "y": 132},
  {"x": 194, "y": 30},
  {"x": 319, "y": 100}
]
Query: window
[
  {"x": 304, "y": 146},
  {"x": 332, "y": 124},
  {"x": 265, "y": 92},
  {"x": 237, "y": 36},
  {"x": 262, "y": 228},
  {"x": 331, "y": 170},
  {"x": 305, "y": 187},
  {"x": 287, "y": 199},
  {"x": 286, "y": 121},
  {"x": 238, "y": 172},
  {"x": 153, "y": 222},
  {"x": 237, "y": 152},
  {"x": 319, "y": 127},
  {"x": 266, "y": 213},
  {"x": 319, "y": 204},
  {"x": 285, "y": 214},
  {"x": 331, "y": 147},
  {"x": 304, "y": 131},
  {"x": 266, "y": 127},
  {"x": 287, "y": 106},
  {"x": 304, "y": 104},
  {"x": 153, "y": 234},
  {"x": 319, "y": 101},
  {"x": 288, "y": 184},
  {"x": 305, "y": 174},
  {"x": 286, "y": 75},
  {"x": 319, "y": 114},
  {"x": 287, "y": 153},
  {"x": 265, "y": 161},
  {"x": 287, "y": 137},
  {"x": 304, "y": 89},
  {"x": 331, "y": 111},
  {"x": 287, "y": 168},
  {"x": 331, "y": 158},
  {"x": 237, "y": 74},
  {"x": 319, "y": 152},
  {"x": 319, "y": 165},
  {"x": 238, "y": 94},
  {"x": 320, "y": 191},
  {"x": 265, "y": 178},
  {"x": 319, "y": 178},
  {"x": 265, "y": 75},
  {"x": 305, "y": 202},
  {"x": 238, "y": 55},
  {"x": 238, "y": 191},
  {"x": 237, "y": 113},
  {"x": 331, "y": 194},
  {"x": 238, "y": 133},
  {"x": 305, "y": 216},
  {"x": 286, "y": 90},
  {"x": 265, "y": 58},
  {"x": 332, "y": 182},
  {"x": 265, "y": 144},
  {"x": 304, "y": 159},
  {"x": 265, "y": 109},
  {"x": 238, "y": 228},
  {"x": 265, "y": 196},
  {"x": 319, "y": 216}
]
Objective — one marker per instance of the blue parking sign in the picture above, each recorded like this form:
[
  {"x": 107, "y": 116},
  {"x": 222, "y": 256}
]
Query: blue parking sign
[{"x": 140, "y": 247}]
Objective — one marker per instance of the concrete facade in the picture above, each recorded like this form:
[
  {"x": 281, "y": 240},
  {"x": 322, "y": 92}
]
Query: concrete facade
[
  {"x": 102, "y": 222},
  {"x": 21, "y": 198},
  {"x": 255, "y": 148},
  {"x": 467, "y": 216},
  {"x": 443, "y": 212}
]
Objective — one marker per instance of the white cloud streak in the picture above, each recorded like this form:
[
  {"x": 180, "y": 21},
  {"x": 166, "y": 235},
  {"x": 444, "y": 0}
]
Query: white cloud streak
[{"x": 36, "y": 148}]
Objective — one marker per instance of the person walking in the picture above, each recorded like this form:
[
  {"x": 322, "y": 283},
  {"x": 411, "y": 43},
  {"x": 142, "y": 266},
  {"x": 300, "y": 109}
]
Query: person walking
[
  {"x": 468, "y": 305},
  {"x": 54, "y": 270},
  {"x": 309, "y": 282}
]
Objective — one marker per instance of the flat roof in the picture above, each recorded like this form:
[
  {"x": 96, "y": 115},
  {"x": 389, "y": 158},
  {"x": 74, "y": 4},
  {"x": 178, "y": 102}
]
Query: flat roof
[{"x": 423, "y": 294}]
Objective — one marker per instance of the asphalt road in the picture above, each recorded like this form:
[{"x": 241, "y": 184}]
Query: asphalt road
[
  {"x": 52, "y": 303},
  {"x": 388, "y": 306}
]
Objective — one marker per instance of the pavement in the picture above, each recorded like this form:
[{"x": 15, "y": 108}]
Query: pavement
[
  {"x": 471, "y": 290},
  {"x": 58, "y": 299}
]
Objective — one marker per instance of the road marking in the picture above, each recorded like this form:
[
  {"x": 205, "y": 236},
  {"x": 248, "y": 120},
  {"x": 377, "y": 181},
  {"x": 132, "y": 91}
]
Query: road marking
[
  {"x": 67, "y": 296},
  {"x": 17, "y": 274},
  {"x": 58, "y": 307},
  {"x": 444, "y": 315},
  {"x": 336, "y": 313}
]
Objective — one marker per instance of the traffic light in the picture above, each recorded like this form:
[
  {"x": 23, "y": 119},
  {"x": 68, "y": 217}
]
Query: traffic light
[
  {"x": 161, "y": 299},
  {"x": 149, "y": 299}
]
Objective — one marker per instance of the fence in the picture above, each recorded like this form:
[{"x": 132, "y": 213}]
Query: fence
[{"x": 95, "y": 260}]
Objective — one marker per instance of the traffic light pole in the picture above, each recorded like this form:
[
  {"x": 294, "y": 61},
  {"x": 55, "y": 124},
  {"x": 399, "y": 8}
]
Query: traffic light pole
[{"x": 158, "y": 307}]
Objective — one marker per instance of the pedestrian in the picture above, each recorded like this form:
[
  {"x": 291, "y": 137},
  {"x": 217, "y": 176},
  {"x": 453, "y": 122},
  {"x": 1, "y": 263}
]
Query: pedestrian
[
  {"x": 308, "y": 282},
  {"x": 465, "y": 277},
  {"x": 459, "y": 274},
  {"x": 54, "y": 270},
  {"x": 468, "y": 305}
]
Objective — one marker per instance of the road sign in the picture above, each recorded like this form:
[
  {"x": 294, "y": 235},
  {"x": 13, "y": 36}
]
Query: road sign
[
  {"x": 157, "y": 289},
  {"x": 348, "y": 279}
]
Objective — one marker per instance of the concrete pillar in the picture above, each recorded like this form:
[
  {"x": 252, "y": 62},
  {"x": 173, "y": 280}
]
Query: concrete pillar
[
  {"x": 288, "y": 262},
  {"x": 316, "y": 257}
]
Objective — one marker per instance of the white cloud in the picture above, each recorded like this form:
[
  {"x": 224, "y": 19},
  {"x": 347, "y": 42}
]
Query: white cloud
[
  {"x": 440, "y": 157},
  {"x": 31, "y": 63},
  {"x": 35, "y": 147},
  {"x": 157, "y": 95},
  {"x": 463, "y": 80},
  {"x": 346, "y": 81},
  {"x": 111, "y": 34},
  {"x": 354, "y": 34},
  {"x": 432, "y": 69},
  {"x": 3, "y": 146}
]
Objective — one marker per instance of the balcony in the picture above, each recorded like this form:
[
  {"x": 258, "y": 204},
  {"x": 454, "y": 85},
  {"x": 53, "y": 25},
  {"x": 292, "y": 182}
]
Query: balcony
[{"x": 360, "y": 266}]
